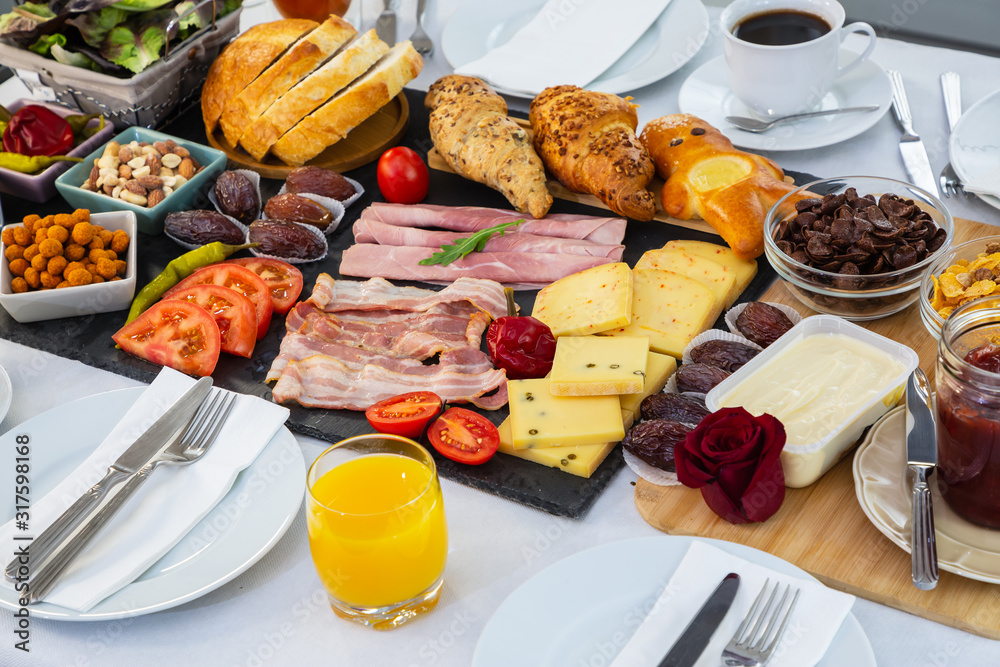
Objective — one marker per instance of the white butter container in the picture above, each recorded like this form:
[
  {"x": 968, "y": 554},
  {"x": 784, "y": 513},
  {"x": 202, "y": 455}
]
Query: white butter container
[{"x": 803, "y": 464}]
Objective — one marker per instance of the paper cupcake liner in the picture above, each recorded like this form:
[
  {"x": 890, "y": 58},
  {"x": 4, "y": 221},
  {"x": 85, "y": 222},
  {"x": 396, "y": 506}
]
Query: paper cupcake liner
[
  {"x": 192, "y": 246},
  {"x": 735, "y": 311},
  {"x": 254, "y": 180},
  {"x": 297, "y": 260},
  {"x": 358, "y": 191},
  {"x": 715, "y": 334},
  {"x": 329, "y": 203},
  {"x": 649, "y": 473}
]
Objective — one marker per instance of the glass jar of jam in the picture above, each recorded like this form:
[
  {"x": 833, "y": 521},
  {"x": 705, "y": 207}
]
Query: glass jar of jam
[{"x": 968, "y": 411}]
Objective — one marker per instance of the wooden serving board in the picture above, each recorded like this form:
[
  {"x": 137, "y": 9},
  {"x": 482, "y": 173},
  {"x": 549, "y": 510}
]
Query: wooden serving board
[{"x": 822, "y": 528}]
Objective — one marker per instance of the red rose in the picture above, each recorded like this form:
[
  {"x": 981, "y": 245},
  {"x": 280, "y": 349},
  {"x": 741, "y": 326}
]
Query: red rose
[{"x": 734, "y": 458}]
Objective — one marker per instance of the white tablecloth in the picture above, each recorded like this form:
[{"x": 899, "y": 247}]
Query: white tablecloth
[{"x": 276, "y": 614}]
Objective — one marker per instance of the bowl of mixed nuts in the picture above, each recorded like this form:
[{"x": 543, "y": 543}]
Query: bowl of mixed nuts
[
  {"x": 147, "y": 172},
  {"x": 856, "y": 246}
]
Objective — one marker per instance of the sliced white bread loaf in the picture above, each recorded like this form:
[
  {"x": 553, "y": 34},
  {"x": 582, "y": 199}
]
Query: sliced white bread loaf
[
  {"x": 351, "y": 62},
  {"x": 331, "y": 122}
]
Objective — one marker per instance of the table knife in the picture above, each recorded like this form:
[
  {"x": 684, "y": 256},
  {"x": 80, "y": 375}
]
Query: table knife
[
  {"x": 910, "y": 145},
  {"x": 692, "y": 642},
  {"x": 385, "y": 24},
  {"x": 138, "y": 454},
  {"x": 921, "y": 458}
]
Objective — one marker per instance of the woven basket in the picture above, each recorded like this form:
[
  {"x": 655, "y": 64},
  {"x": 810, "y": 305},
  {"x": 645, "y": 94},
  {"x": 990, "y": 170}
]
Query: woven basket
[{"x": 146, "y": 99}]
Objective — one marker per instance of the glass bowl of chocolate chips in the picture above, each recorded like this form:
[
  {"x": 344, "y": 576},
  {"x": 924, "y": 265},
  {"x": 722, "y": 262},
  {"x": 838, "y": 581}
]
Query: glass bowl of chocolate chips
[{"x": 856, "y": 246}]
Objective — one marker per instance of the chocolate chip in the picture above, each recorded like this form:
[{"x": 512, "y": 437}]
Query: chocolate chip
[
  {"x": 676, "y": 142},
  {"x": 698, "y": 131}
]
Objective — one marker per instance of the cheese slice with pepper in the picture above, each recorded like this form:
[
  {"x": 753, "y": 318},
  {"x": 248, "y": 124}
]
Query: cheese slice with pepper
[
  {"x": 745, "y": 269},
  {"x": 588, "y": 301},
  {"x": 717, "y": 277},
  {"x": 659, "y": 368},
  {"x": 598, "y": 365},
  {"x": 539, "y": 419},
  {"x": 579, "y": 460}
]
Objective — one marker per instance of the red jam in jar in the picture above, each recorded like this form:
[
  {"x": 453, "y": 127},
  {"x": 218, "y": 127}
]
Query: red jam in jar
[{"x": 968, "y": 412}]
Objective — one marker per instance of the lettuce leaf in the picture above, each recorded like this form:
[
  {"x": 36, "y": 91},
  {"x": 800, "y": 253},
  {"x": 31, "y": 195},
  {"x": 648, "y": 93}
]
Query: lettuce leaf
[
  {"x": 74, "y": 58},
  {"x": 95, "y": 26},
  {"x": 134, "y": 49},
  {"x": 43, "y": 45},
  {"x": 26, "y": 22}
]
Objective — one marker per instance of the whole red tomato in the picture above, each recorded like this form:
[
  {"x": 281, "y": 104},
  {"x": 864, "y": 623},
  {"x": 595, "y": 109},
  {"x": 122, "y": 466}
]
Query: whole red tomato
[{"x": 402, "y": 176}]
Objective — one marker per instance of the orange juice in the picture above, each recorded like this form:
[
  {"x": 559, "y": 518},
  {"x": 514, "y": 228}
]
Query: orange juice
[{"x": 377, "y": 530}]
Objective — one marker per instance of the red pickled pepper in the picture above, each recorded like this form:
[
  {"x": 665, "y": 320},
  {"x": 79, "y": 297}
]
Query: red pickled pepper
[
  {"x": 35, "y": 130},
  {"x": 522, "y": 346}
]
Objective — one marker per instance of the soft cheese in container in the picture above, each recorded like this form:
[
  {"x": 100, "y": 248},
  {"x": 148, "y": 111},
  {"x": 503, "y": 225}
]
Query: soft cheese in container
[{"x": 827, "y": 380}]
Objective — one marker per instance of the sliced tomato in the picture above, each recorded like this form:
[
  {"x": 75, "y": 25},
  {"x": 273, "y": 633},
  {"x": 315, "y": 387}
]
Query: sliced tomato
[
  {"x": 406, "y": 414},
  {"x": 236, "y": 277},
  {"x": 283, "y": 280},
  {"x": 233, "y": 312},
  {"x": 464, "y": 436},
  {"x": 174, "y": 333}
]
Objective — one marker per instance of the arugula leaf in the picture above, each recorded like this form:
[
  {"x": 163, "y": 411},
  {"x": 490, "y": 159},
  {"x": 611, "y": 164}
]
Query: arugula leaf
[{"x": 462, "y": 247}]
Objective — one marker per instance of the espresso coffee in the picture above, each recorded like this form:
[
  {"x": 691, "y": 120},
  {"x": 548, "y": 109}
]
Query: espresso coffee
[{"x": 781, "y": 28}]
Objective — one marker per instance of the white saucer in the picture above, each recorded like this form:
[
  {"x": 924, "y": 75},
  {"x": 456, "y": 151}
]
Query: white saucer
[
  {"x": 707, "y": 94},
  {"x": 974, "y": 148}
]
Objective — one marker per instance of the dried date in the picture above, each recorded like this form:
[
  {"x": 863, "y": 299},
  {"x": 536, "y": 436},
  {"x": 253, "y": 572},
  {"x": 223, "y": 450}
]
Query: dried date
[
  {"x": 319, "y": 181},
  {"x": 653, "y": 441},
  {"x": 297, "y": 208},
  {"x": 201, "y": 227},
  {"x": 287, "y": 240},
  {"x": 699, "y": 378},
  {"x": 729, "y": 355},
  {"x": 675, "y": 407},
  {"x": 762, "y": 323},
  {"x": 237, "y": 196}
]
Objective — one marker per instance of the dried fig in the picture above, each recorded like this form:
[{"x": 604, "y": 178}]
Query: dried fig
[
  {"x": 653, "y": 441},
  {"x": 675, "y": 407},
  {"x": 237, "y": 196},
  {"x": 297, "y": 208},
  {"x": 728, "y": 355},
  {"x": 762, "y": 323},
  {"x": 287, "y": 240},
  {"x": 200, "y": 227},
  {"x": 320, "y": 181}
]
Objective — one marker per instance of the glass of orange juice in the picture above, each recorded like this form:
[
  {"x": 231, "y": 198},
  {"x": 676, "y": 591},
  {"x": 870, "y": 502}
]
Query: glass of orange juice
[{"x": 377, "y": 528}]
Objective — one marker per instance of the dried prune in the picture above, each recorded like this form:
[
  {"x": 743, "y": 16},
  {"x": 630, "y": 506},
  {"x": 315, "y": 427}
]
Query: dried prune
[
  {"x": 297, "y": 208},
  {"x": 200, "y": 227},
  {"x": 729, "y": 355},
  {"x": 319, "y": 181},
  {"x": 699, "y": 378},
  {"x": 237, "y": 196},
  {"x": 675, "y": 407},
  {"x": 653, "y": 441},
  {"x": 762, "y": 323},
  {"x": 287, "y": 240}
]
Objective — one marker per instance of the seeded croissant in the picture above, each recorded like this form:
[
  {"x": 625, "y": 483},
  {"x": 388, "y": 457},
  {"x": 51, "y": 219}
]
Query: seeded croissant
[
  {"x": 471, "y": 131},
  {"x": 587, "y": 140}
]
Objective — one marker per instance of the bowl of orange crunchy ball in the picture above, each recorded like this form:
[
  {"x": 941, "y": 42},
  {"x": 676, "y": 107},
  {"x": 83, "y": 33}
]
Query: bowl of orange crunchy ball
[
  {"x": 67, "y": 265},
  {"x": 964, "y": 273}
]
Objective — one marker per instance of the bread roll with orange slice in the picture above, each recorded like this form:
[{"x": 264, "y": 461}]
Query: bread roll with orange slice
[{"x": 707, "y": 177}]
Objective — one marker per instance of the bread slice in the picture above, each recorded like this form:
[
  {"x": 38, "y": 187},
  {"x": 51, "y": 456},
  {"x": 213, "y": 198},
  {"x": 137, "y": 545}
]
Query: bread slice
[
  {"x": 305, "y": 56},
  {"x": 351, "y": 62},
  {"x": 331, "y": 122},
  {"x": 243, "y": 60}
]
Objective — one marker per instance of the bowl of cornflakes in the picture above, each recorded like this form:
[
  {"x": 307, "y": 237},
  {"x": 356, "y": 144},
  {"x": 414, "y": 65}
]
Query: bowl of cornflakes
[{"x": 961, "y": 274}]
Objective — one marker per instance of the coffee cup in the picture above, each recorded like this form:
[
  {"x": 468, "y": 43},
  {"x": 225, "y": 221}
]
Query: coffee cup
[{"x": 783, "y": 56}]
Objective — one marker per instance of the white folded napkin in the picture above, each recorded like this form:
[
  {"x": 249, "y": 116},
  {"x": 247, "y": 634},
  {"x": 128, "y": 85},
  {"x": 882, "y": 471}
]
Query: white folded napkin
[
  {"x": 568, "y": 42},
  {"x": 987, "y": 184},
  {"x": 816, "y": 619},
  {"x": 165, "y": 508}
]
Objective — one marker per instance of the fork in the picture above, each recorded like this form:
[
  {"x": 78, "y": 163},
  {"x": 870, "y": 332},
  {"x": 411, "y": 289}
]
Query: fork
[
  {"x": 199, "y": 435},
  {"x": 754, "y": 646},
  {"x": 421, "y": 42},
  {"x": 951, "y": 87}
]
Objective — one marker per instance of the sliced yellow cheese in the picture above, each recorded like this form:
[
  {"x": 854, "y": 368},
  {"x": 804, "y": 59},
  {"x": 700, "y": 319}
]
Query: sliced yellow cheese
[
  {"x": 598, "y": 365},
  {"x": 579, "y": 460},
  {"x": 628, "y": 418},
  {"x": 717, "y": 277},
  {"x": 659, "y": 368},
  {"x": 669, "y": 308},
  {"x": 539, "y": 419},
  {"x": 745, "y": 269},
  {"x": 587, "y": 302}
]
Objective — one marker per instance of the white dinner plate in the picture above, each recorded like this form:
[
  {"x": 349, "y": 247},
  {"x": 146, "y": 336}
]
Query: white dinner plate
[
  {"x": 584, "y": 603},
  {"x": 6, "y": 393},
  {"x": 674, "y": 38},
  {"x": 706, "y": 94},
  {"x": 880, "y": 482},
  {"x": 974, "y": 147},
  {"x": 243, "y": 527}
]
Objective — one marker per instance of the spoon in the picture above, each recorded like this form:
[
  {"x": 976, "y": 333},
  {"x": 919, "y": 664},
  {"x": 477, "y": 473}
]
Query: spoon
[{"x": 754, "y": 125}]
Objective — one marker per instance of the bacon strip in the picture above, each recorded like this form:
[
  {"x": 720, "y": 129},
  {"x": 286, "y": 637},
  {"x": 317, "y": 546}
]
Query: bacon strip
[
  {"x": 320, "y": 381},
  {"x": 379, "y": 294}
]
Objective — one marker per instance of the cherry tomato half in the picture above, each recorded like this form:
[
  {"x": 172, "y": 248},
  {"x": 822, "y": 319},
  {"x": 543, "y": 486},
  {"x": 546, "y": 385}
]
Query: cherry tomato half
[
  {"x": 236, "y": 277},
  {"x": 406, "y": 414},
  {"x": 233, "y": 312},
  {"x": 174, "y": 333},
  {"x": 402, "y": 176},
  {"x": 283, "y": 279},
  {"x": 464, "y": 436}
]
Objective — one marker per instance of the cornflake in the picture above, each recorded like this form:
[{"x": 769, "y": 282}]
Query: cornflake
[{"x": 966, "y": 281}]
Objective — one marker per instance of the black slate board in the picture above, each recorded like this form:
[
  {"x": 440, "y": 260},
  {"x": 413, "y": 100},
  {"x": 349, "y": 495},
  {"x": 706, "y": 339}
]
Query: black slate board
[{"x": 88, "y": 338}]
